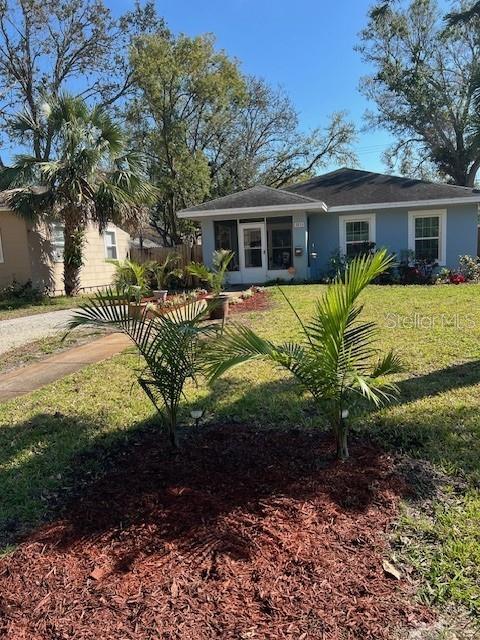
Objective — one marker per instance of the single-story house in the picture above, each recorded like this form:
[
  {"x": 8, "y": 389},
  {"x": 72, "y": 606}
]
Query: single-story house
[
  {"x": 35, "y": 252},
  {"x": 292, "y": 233}
]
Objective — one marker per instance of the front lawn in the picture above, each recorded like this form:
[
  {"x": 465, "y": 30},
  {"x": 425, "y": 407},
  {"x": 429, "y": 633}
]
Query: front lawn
[
  {"x": 18, "y": 307},
  {"x": 56, "y": 441}
]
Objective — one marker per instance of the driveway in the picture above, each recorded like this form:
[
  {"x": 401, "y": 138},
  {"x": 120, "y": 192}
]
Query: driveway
[{"x": 18, "y": 331}]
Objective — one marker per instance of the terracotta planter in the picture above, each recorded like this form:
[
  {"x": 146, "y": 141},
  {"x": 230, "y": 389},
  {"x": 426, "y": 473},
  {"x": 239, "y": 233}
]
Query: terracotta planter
[
  {"x": 221, "y": 307},
  {"x": 136, "y": 309}
]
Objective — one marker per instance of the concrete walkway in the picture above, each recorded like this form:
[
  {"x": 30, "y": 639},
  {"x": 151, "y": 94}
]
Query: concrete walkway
[
  {"x": 19, "y": 331},
  {"x": 26, "y": 379}
]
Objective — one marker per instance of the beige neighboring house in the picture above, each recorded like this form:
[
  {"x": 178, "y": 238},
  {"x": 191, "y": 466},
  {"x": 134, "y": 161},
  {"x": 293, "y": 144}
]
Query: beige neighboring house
[{"x": 35, "y": 252}]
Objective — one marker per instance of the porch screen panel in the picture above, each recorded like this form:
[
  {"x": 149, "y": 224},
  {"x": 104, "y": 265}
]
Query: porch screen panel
[
  {"x": 279, "y": 241},
  {"x": 226, "y": 237}
]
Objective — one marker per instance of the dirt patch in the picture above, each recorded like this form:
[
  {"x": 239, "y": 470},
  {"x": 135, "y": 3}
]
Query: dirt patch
[
  {"x": 260, "y": 301},
  {"x": 243, "y": 534}
]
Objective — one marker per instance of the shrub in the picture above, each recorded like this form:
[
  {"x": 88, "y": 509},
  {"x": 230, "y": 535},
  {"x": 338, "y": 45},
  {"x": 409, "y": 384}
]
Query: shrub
[
  {"x": 469, "y": 267},
  {"x": 25, "y": 293}
]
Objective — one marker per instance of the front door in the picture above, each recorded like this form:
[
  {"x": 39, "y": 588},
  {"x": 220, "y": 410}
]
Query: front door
[{"x": 253, "y": 252}]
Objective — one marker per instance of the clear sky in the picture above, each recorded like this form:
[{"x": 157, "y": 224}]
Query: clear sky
[{"x": 304, "y": 46}]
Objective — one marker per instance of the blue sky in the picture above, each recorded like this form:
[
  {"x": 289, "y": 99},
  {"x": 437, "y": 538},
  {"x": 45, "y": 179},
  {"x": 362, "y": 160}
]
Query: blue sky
[{"x": 305, "y": 46}]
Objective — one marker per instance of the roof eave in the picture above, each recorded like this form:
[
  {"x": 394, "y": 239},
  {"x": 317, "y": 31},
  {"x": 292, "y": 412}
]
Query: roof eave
[{"x": 262, "y": 210}]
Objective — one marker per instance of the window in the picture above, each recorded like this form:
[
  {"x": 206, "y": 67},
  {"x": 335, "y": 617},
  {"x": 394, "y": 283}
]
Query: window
[
  {"x": 426, "y": 231},
  {"x": 279, "y": 242},
  {"x": 357, "y": 234},
  {"x": 58, "y": 241},
  {"x": 1, "y": 250},
  {"x": 226, "y": 237},
  {"x": 110, "y": 245}
]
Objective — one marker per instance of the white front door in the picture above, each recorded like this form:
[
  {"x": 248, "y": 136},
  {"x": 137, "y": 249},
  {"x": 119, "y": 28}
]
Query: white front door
[{"x": 253, "y": 252}]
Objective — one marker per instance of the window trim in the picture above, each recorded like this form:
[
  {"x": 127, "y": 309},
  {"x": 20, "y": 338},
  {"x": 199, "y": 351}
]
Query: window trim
[
  {"x": 114, "y": 232},
  {"x": 360, "y": 217},
  {"x": 2, "y": 257},
  {"x": 442, "y": 230}
]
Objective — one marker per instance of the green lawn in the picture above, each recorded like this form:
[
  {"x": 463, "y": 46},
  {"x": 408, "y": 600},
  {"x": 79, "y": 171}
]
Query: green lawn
[
  {"x": 18, "y": 308},
  {"x": 47, "y": 438}
]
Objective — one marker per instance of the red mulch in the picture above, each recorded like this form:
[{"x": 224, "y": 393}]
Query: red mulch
[
  {"x": 242, "y": 535},
  {"x": 260, "y": 301}
]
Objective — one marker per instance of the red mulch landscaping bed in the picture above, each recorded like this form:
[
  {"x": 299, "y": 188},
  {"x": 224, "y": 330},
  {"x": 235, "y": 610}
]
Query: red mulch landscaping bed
[
  {"x": 260, "y": 301},
  {"x": 241, "y": 535}
]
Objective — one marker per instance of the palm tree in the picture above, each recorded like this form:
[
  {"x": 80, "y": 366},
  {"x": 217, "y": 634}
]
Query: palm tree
[
  {"x": 334, "y": 360},
  {"x": 93, "y": 178},
  {"x": 170, "y": 344}
]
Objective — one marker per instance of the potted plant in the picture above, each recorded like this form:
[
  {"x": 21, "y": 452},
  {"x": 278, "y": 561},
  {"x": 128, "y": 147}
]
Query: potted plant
[
  {"x": 215, "y": 280},
  {"x": 162, "y": 273}
]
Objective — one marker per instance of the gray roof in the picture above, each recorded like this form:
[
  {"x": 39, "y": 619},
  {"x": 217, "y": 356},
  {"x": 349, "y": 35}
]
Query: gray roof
[
  {"x": 259, "y": 196},
  {"x": 352, "y": 186},
  {"x": 343, "y": 187}
]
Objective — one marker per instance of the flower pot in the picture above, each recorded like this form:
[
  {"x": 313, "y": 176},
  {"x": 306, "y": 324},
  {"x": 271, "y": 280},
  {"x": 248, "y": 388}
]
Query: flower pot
[
  {"x": 160, "y": 294},
  {"x": 220, "y": 308},
  {"x": 136, "y": 309}
]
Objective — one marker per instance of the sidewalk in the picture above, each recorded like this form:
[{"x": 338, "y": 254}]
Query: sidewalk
[{"x": 26, "y": 379}]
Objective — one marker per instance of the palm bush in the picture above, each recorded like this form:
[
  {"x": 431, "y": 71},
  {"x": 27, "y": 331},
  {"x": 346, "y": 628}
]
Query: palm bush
[
  {"x": 171, "y": 346},
  {"x": 164, "y": 272},
  {"x": 335, "y": 360},
  {"x": 215, "y": 277},
  {"x": 129, "y": 273}
]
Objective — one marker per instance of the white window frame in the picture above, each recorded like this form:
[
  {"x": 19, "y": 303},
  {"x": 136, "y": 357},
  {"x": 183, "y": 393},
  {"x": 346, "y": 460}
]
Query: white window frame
[
  {"x": 361, "y": 217},
  {"x": 442, "y": 230},
  {"x": 2, "y": 259},
  {"x": 58, "y": 247},
  {"x": 107, "y": 246}
]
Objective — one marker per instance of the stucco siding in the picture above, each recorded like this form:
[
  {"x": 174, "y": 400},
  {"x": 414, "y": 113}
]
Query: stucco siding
[{"x": 16, "y": 259}]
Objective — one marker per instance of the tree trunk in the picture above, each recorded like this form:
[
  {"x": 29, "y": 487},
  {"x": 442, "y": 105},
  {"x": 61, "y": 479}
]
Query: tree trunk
[
  {"x": 74, "y": 235},
  {"x": 341, "y": 434},
  {"x": 172, "y": 429}
]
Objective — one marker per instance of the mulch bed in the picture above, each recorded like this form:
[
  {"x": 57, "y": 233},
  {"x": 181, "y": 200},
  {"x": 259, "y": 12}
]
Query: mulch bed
[
  {"x": 260, "y": 301},
  {"x": 241, "y": 535}
]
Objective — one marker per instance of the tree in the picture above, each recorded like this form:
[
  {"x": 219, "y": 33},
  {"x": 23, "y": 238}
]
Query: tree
[
  {"x": 171, "y": 345},
  {"x": 47, "y": 47},
  {"x": 425, "y": 79},
  {"x": 334, "y": 360},
  {"x": 263, "y": 143},
  {"x": 210, "y": 130},
  {"x": 94, "y": 177},
  {"x": 187, "y": 87}
]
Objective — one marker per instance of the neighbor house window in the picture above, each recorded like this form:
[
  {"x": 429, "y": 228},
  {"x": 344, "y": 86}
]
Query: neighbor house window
[
  {"x": 427, "y": 231},
  {"x": 357, "y": 234},
  {"x": 110, "y": 245},
  {"x": 226, "y": 237},
  {"x": 1, "y": 250},
  {"x": 279, "y": 242},
  {"x": 58, "y": 241}
]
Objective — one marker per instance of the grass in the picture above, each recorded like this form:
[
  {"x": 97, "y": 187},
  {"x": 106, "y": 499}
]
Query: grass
[
  {"x": 40, "y": 349},
  {"x": 19, "y": 307},
  {"x": 46, "y": 437}
]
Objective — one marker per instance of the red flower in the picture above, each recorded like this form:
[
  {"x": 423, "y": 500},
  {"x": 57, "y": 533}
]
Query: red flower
[{"x": 457, "y": 278}]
